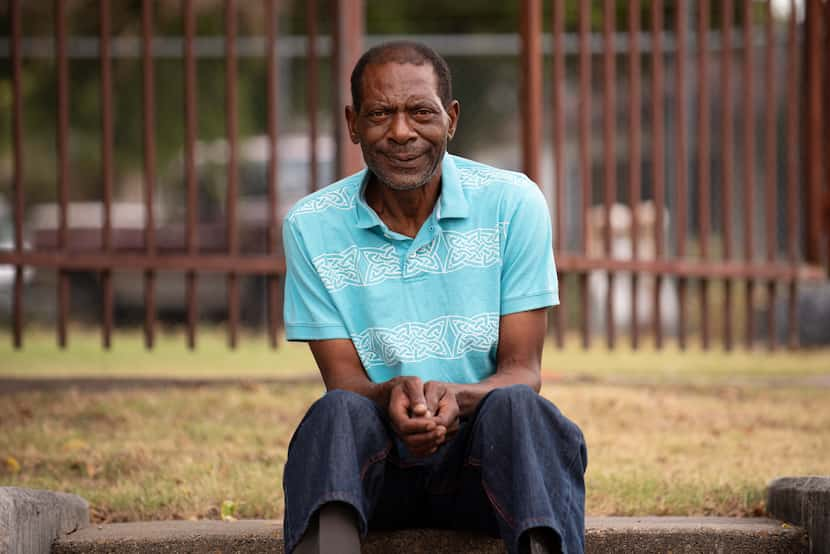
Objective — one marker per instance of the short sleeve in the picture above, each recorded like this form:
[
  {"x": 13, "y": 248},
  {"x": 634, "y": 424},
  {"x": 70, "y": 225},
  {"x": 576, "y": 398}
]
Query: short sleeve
[
  {"x": 528, "y": 276},
  {"x": 310, "y": 313}
]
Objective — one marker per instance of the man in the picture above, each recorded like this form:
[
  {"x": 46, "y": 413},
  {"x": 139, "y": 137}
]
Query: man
[{"x": 421, "y": 285}]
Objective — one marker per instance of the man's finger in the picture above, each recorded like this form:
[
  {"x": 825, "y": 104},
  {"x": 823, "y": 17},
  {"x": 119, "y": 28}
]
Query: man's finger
[
  {"x": 414, "y": 389},
  {"x": 433, "y": 391}
]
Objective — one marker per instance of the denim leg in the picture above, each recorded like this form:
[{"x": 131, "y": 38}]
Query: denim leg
[
  {"x": 532, "y": 461},
  {"x": 333, "y": 456}
]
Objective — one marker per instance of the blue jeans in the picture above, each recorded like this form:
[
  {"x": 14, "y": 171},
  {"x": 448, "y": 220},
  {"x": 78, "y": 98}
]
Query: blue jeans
[{"x": 517, "y": 463}]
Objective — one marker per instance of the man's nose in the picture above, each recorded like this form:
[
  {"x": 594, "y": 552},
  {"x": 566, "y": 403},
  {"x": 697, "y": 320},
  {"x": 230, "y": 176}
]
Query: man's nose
[{"x": 400, "y": 129}]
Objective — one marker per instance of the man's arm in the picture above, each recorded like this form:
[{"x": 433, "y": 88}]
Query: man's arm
[{"x": 519, "y": 359}]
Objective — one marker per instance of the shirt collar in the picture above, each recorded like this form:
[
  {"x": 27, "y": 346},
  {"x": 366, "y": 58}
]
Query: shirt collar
[{"x": 451, "y": 202}]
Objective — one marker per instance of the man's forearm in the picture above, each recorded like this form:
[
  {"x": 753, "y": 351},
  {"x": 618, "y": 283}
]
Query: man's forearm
[
  {"x": 376, "y": 392},
  {"x": 469, "y": 395}
]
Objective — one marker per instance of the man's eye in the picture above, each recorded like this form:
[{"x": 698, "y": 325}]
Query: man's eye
[{"x": 377, "y": 113}]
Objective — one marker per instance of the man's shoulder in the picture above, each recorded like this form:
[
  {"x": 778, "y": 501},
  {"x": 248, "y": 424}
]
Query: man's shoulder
[
  {"x": 338, "y": 197},
  {"x": 473, "y": 174}
]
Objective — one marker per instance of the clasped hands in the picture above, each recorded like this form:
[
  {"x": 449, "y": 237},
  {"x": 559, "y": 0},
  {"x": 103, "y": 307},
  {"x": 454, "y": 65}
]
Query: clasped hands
[{"x": 423, "y": 415}]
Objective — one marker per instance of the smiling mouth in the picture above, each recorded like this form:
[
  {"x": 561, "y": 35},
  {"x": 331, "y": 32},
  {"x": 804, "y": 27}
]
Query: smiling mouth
[{"x": 407, "y": 158}]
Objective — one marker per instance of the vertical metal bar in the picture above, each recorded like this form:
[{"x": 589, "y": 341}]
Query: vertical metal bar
[
  {"x": 657, "y": 156},
  {"x": 726, "y": 189},
  {"x": 635, "y": 160},
  {"x": 531, "y": 86},
  {"x": 749, "y": 168},
  {"x": 149, "y": 170},
  {"x": 681, "y": 12},
  {"x": 192, "y": 242},
  {"x": 815, "y": 122},
  {"x": 273, "y": 174},
  {"x": 63, "y": 165},
  {"x": 609, "y": 135},
  {"x": 313, "y": 91},
  {"x": 17, "y": 169},
  {"x": 558, "y": 84},
  {"x": 792, "y": 172},
  {"x": 106, "y": 157},
  {"x": 704, "y": 169},
  {"x": 232, "y": 133},
  {"x": 770, "y": 173},
  {"x": 585, "y": 156},
  {"x": 348, "y": 46}
]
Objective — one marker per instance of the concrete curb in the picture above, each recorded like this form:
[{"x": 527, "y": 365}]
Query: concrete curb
[
  {"x": 603, "y": 536},
  {"x": 31, "y": 520},
  {"x": 803, "y": 501}
]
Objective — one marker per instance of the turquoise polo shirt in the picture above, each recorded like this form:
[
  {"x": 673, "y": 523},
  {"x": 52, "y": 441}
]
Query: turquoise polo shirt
[{"x": 427, "y": 306}]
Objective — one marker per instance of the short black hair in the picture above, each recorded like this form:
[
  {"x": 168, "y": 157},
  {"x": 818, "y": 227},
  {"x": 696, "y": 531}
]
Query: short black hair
[{"x": 402, "y": 52}]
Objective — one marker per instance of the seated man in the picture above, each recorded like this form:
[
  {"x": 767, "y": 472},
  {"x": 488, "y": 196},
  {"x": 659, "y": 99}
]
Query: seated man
[{"x": 421, "y": 285}]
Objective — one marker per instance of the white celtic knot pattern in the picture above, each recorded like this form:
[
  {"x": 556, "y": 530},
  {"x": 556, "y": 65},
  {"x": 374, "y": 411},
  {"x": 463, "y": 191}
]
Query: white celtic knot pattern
[
  {"x": 445, "y": 337},
  {"x": 341, "y": 198},
  {"x": 478, "y": 177},
  {"x": 478, "y": 248},
  {"x": 339, "y": 270},
  {"x": 449, "y": 251}
]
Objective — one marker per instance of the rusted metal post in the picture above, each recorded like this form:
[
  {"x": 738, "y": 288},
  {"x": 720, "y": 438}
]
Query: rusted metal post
[
  {"x": 312, "y": 91},
  {"x": 749, "y": 169},
  {"x": 814, "y": 140},
  {"x": 17, "y": 170},
  {"x": 585, "y": 157},
  {"x": 106, "y": 157},
  {"x": 348, "y": 46},
  {"x": 232, "y": 194},
  {"x": 609, "y": 155},
  {"x": 531, "y": 86},
  {"x": 635, "y": 159},
  {"x": 704, "y": 169},
  {"x": 682, "y": 165},
  {"x": 558, "y": 27},
  {"x": 728, "y": 146},
  {"x": 149, "y": 109},
  {"x": 770, "y": 174},
  {"x": 658, "y": 153},
  {"x": 792, "y": 173},
  {"x": 192, "y": 241},
  {"x": 273, "y": 183},
  {"x": 63, "y": 165}
]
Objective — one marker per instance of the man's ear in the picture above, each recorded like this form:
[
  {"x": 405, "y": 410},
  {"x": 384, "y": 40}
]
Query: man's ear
[
  {"x": 351, "y": 121},
  {"x": 454, "y": 111}
]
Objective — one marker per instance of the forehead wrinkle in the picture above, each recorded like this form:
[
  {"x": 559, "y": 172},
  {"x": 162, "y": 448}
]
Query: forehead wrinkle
[{"x": 393, "y": 82}]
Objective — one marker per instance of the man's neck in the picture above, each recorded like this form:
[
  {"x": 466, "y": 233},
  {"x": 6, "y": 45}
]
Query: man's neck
[{"x": 403, "y": 211}]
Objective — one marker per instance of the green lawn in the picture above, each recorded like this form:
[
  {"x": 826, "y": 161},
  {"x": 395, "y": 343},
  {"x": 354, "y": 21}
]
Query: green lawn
[
  {"x": 668, "y": 433},
  {"x": 253, "y": 357}
]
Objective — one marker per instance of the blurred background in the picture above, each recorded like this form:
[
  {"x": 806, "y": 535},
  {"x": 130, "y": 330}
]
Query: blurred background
[{"x": 678, "y": 143}]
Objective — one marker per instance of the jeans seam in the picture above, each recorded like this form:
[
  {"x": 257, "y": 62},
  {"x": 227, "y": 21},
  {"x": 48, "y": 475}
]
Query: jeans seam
[
  {"x": 504, "y": 515},
  {"x": 375, "y": 458}
]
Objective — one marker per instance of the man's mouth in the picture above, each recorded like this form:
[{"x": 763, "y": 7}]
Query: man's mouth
[{"x": 403, "y": 158}]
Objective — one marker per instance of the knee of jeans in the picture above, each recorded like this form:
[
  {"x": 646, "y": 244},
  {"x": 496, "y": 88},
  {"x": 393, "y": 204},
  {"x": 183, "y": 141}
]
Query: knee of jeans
[
  {"x": 509, "y": 398},
  {"x": 342, "y": 403}
]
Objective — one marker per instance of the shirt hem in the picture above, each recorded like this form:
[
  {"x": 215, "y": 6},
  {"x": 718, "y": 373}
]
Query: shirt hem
[
  {"x": 305, "y": 332},
  {"x": 535, "y": 301}
]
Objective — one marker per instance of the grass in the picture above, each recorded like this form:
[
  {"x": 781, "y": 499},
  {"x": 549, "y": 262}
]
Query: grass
[
  {"x": 668, "y": 433},
  {"x": 84, "y": 356},
  {"x": 173, "y": 453}
]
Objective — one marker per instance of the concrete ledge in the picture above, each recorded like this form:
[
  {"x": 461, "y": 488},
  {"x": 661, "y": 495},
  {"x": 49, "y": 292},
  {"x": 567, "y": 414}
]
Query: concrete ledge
[
  {"x": 604, "y": 535},
  {"x": 31, "y": 520},
  {"x": 803, "y": 501}
]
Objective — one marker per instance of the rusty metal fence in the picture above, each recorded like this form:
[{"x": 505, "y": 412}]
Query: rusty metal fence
[{"x": 687, "y": 258}]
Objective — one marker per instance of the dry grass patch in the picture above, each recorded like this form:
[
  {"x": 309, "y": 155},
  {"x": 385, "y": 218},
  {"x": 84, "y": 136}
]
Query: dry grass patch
[
  {"x": 180, "y": 453},
  {"x": 684, "y": 450}
]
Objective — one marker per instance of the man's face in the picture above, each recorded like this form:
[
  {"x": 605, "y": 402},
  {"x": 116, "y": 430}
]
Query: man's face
[{"x": 402, "y": 126}]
